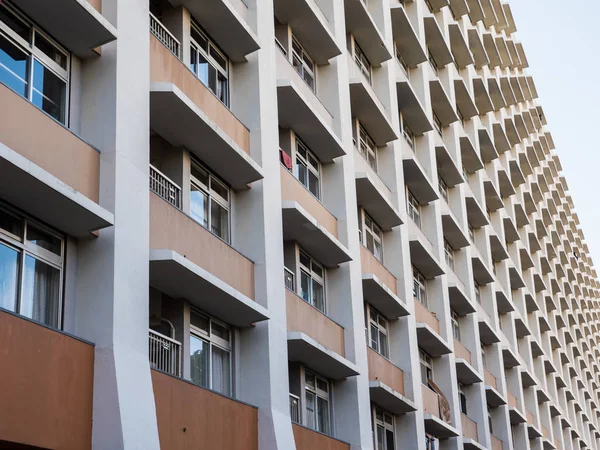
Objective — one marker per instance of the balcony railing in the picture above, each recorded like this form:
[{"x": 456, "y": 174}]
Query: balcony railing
[
  {"x": 165, "y": 188},
  {"x": 164, "y": 36},
  {"x": 295, "y": 409},
  {"x": 164, "y": 353},
  {"x": 289, "y": 280}
]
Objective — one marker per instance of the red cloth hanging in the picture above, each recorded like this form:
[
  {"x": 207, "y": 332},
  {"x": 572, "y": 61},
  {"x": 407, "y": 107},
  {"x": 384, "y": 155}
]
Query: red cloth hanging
[{"x": 286, "y": 159}]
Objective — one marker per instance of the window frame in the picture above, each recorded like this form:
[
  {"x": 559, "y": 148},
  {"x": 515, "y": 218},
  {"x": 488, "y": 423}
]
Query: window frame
[
  {"x": 437, "y": 124},
  {"x": 314, "y": 277},
  {"x": 366, "y": 147},
  {"x": 385, "y": 425},
  {"x": 305, "y": 162},
  {"x": 462, "y": 398},
  {"x": 363, "y": 63},
  {"x": 426, "y": 362},
  {"x": 374, "y": 231},
  {"x": 305, "y": 61},
  {"x": 25, "y": 248},
  {"x": 212, "y": 195},
  {"x": 318, "y": 393},
  {"x": 377, "y": 320},
  {"x": 211, "y": 46},
  {"x": 413, "y": 208},
  {"x": 477, "y": 290},
  {"x": 455, "y": 320},
  {"x": 214, "y": 341},
  {"x": 408, "y": 135},
  {"x": 420, "y": 281},
  {"x": 34, "y": 53},
  {"x": 449, "y": 254},
  {"x": 443, "y": 188}
]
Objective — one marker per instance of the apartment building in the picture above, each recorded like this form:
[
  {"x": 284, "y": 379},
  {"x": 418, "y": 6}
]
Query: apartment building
[{"x": 285, "y": 225}]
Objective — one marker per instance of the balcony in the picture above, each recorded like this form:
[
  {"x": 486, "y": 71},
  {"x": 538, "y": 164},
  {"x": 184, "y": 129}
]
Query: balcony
[
  {"x": 386, "y": 385},
  {"x": 308, "y": 222},
  {"x": 47, "y": 386},
  {"x": 441, "y": 103},
  {"x": 483, "y": 100},
  {"x": 307, "y": 439},
  {"x": 477, "y": 48},
  {"x": 300, "y": 109},
  {"x": 187, "y": 114},
  {"x": 52, "y": 164},
  {"x": 215, "y": 420},
  {"x": 493, "y": 397},
  {"x": 428, "y": 332},
  {"x": 380, "y": 287},
  {"x": 77, "y": 24},
  {"x": 465, "y": 372},
  {"x": 407, "y": 40},
  {"x": 514, "y": 412},
  {"x": 409, "y": 104},
  {"x": 226, "y": 22},
  {"x": 433, "y": 417},
  {"x": 361, "y": 25},
  {"x": 315, "y": 340},
  {"x": 464, "y": 99},
  {"x": 459, "y": 46},
  {"x": 373, "y": 195},
  {"x": 453, "y": 231},
  {"x": 436, "y": 42},
  {"x": 421, "y": 253},
  {"x": 164, "y": 353},
  {"x": 532, "y": 428},
  {"x": 310, "y": 26},
  {"x": 469, "y": 432},
  {"x": 188, "y": 261}
]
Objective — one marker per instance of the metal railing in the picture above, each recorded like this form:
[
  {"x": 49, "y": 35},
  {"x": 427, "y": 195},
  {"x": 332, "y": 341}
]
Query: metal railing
[
  {"x": 164, "y": 36},
  {"x": 281, "y": 47},
  {"x": 164, "y": 353},
  {"x": 164, "y": 187},
  {"x": 295, "y": 409},
  {"x": 288, "y": 277}
]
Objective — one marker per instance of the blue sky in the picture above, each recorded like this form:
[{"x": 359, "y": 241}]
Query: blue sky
[{"x": 561, "y": 40}]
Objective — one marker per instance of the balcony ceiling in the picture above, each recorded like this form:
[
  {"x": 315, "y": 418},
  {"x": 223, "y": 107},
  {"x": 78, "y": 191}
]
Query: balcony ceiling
[
  {"x": 438, "y": 428},
  {"x": 389, "y": 399},
  {"x": 379, "y": 207},
  {"x": 413, "y": 112},
  {"x": 466, "y": 373},
  {"x": 431, "y": 342},
  {"x": 382, "y": 298},
  {"x": 369, "y": 110},
  {"x": 407, "y": 39},
  {"x": 361, "y": 25},
  {"x": 441, "y": 103}
]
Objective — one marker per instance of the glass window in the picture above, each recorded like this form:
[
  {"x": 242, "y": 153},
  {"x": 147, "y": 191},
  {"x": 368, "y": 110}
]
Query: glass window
[
  {"x": 455, "y": 325},
  {"x": 30, "y": 269},
  {"x": 437, "y": 124},
  {"x": 209, "y": 64},
  {"x": 414, "y": 208},
  {"x": 362, "y": 62},
  {"x": 378, "y": 332},
  {"x": 210, "y": 353},
  {"x": 401, "y": 60},
  {"x": 312, "y": 282},
  {"x": 462, "y": 399},
  {"x": 366, "y": 147},
  {"x": 443, "y": 188},
  {"x": 477, "y": 291},
  {"x": 308, "y": 169},
  {"x": 317, "y": 403},
  {"x": 384, "y": 430},
  {"x": 303, "y": 64},
  {"x": 408, "y": 135},
  {"x": 373, "y": 237},
  {"x": 209, "y": 201},
  {"x": 430, "y": 442},
  {"x": 449, "y": 254},
  {"x": 419, "y": 287},
  {"x": 426, "y": 367},
  {"x": 32, "y": 65}
]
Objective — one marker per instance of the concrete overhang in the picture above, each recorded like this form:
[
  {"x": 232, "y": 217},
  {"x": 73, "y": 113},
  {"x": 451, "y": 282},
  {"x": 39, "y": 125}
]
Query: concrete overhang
[
  {"x": 417, "y": 180},
  {"x": 471, "y": 444},
  {"x": 431, "y": 342},
  {"x": 441, "y": 103},
  {"x": 389, "y": 399},
  {"x": 516, "y": 174},
  {"x": 511, "y": 132},
  {"x": 503, "y": 51},
  {"x": 533, "y": 431},
  {"x": 421, "y": 253},
  {"x": 407, "y": 40},
  {"x": 475, "y": 214},
  {"x": 505, "y": 183},
  {"x": 483, "y": 101},
  {"x": 475, "y": 11},
  {"x": 503, "y": 302},
  {"x": 487, "y": 333},
  {"x": 361, "y": 25},
  {"x": 225, "y": 25},
  {"x": 369, "y": 110},
  {"x": 459, "y": 8},
  {"x": 490, "y": 18},
  {"x": 382, "y": 298},
  {"x": 511, "y": 234},
  {"x": 516, "y": 416},
  {"x": 488, "y": 149},
  {"x": 438, "y": 428},
  {"x": 516, "y": 280},
  {"x": 493, "y": 201},
  {"x": 436, "y": 42},
  {"x": 452, "y": 230},
  {"x": 180, "y": 121},
  {"x": 497, "y": 250},
  {"x": 447, "y": 167},
  {"x": 76, "y": 24},
  {"x": 460, "y": 47},
  {"x": 178, "y": 277},
  {"x": 493, "y": 397},
  {"x": 413, "y": 111},
  {"x": 507, "y": 91},
  {"x": 496, "y": 94},
  {"x": 34, "y": 190},
  {"x": 464, "y": 99},
  {"x": 527, "y": 380},
  {"x": 510, "y": 358},
  {"x": 519, "y": 95},
  {"x": 377, "y": 204},
  {"x": 310, "y": 26},
  {"x": 459, "y": 301},
  {"x": 491, "y": 50},
  {"x": 300, "y": 226},
  {"x": 501, "y": 140},
  {"x": 306, "y": 350},
  {"x": 466, "y": 373},
  {"x": 470, "y": 156},
  {"x": 296, "y": 112},
  {"x": 477, "y": 48},
  {"x": 522, "y": 131}
]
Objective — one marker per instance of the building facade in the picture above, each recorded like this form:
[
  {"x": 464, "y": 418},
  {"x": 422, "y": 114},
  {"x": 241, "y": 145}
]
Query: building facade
[{"x": 286, "y": 224}]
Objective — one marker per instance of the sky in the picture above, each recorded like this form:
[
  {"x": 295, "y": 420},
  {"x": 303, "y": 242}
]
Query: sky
[{"x": 561, "y": 40}]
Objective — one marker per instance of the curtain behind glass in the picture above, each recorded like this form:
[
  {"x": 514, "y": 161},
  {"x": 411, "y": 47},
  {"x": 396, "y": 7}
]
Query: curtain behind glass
[
  {"x": 9, "y": 276},
  {"x": 221, "y": 371},
  {"x": 41, "y": 292}
]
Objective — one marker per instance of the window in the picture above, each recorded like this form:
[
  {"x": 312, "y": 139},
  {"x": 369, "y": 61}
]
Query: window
[
  {"x": 303, "y": 64},
  {"x": 437, "y": 124},
  {"x": 490, "y": 422},
  {"x": 362, "y": 62},
  {"x": 462, "y": 398},
  {"x": 432, "y": 63},
  {"x": 312, "y": 282},
  {"x": 317, "y": 402},
  {"x": 373, "y": 237},
  {"x": 449, "y": 254},
  {"x": 477, "y": 291},
  {"x": 455, "y": 325},
  {"x": 471, "y": 233},
  {"x": 443, "y": 188},
  {"x": 426, "y": 367},
  {"x": 383, "y": 430},
  {"x": 31, "y": 269},
  {"x": 367, "y": 148},
  {"x": 209, "y": 64},
  {"x": 419, "y": 287},
  {"x": 465, "y": 174},
  {"x": 210, "y": 353},
  {"x": 430, "y": 442},
  {"x": 401, "y": 61},
  {"x": 378, "y": 332},
  {"x": 483, "y": 355},
  {"x": 414, "y": 208},
  {"x": 209, "y": 201},
  {"x": 33, "y": 65},
  {"x": 308, "y": 169},
  {"x": 409, "y": 137}
]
